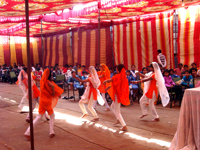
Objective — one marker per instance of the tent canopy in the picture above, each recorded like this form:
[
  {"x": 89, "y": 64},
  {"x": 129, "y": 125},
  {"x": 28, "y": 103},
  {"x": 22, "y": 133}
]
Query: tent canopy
[{"x": 58, "y": 15}]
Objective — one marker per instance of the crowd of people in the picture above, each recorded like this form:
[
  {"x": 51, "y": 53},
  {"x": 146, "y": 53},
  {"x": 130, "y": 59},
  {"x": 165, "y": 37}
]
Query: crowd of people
[{"x": 95, "y": 82}]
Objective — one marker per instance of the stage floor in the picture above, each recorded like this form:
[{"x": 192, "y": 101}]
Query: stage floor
[{"x": 73, "y": 133}]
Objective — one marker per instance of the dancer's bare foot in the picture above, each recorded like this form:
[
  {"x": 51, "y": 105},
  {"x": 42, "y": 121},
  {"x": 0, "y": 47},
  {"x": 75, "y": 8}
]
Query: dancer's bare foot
[
  {"x": 117, "y": 122},
  {"x": 27, "y": 120},
  {"x": 143, "y": 116},
  {"x": 95, "y": 119},
  {"x": 155, "y": 119},
  {"x": 107, "y": 109},
  {"x": 28, "y": 137},
  {"x": 124, "y": 128},
  {"x": 52, "y": 135},
  {"x": 84, "y": 115}
]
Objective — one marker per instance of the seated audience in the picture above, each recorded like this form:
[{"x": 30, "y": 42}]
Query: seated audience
[
  {"x": 187, "y": 80},
  {"x": 171, "y": 86},
  {"x": 194, "y": 73},
  {"x": 132, "y": 87},
  {"x": 79, "y": 70},
  {"x": 76, "y": 84},
  {"x": 83, "y": 69},
  {"x": 194, "y": 66},
  {"x": 186, "y": 67},
  {"x": 171, "y": 73},
  {"x": 65, "y": 68},
  {"x": 178, "y": 71},
  {"x": 56, "y": 72}
]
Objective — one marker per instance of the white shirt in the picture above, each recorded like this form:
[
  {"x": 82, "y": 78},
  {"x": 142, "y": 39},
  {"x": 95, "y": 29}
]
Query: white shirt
[{"x": 162, "y": 60}]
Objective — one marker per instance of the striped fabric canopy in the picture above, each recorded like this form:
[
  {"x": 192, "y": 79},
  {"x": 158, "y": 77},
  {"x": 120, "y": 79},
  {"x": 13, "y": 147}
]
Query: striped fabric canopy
[
  {"x": 189, "y": 35},
  {"x": 136, "y": 43}
]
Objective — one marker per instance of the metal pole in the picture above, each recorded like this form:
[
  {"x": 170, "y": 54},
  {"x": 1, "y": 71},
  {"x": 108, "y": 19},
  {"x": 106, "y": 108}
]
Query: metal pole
[
  {"x": 9, "y": 48},
  {"x": 99, "y": 19},
  {"x": 111, "y": 35},
  {"x": 42, "y": 46},
  {"x": 29, "y": 73}
]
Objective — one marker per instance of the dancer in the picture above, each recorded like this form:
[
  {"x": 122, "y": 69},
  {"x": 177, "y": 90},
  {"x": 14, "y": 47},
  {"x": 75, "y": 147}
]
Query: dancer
[
  {"x": 49, "y": 95},
  {"x": 119, "y": 93},
  {"x": 23, "y": 84},
  {"x": 152, "y": 92},
  {"x": 91, "y": 93},
  {"x": 103, "y": 74}
]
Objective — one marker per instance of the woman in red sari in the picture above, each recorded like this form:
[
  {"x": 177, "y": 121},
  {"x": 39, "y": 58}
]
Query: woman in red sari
[
  {"x": 103, "y": 74},
  {"x": 119, "y": 93},
  {"x": 49, "y": 95}
]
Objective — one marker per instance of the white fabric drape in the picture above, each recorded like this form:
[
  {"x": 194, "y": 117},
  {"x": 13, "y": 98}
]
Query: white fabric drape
[
  {"x": 161, "y": 85},
  {"x": 94, "y": 79}
]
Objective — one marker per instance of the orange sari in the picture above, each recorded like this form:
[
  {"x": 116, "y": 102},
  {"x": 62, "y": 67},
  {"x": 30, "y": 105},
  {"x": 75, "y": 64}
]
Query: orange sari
[
  {"x": 107, "y": 76},
  {"x": 120, "y": 88},
  {"x": 102, "y": 87},
  {"x": 47, "y": 100}
]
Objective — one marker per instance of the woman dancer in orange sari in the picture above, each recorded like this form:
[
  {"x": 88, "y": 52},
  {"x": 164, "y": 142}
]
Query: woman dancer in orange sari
[
  {"x": 119, "y": 93},
  {"x": 49, "y": 95},
  {"x": 23, "y": 84},
  {"x": 103, "y": 74}
]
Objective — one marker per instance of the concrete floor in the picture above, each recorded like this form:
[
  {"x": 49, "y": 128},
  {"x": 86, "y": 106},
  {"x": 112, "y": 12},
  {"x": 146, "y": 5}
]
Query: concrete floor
[{"x": 73, "y": 133}]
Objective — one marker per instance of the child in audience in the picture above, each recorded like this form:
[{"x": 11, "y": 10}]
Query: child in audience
[
  {"x": 171, "y": 86},
  {"x": 179, "y": 70},
  {"x": 187, "y": 80},
  {"x": 194, "y": 73},
  {"x": 185, "y": 67},
  {"x": 171, "y": 73}
]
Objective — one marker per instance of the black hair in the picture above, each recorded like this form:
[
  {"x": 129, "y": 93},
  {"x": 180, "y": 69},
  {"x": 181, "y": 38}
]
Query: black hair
[
  {"x": 144, "y": 68},
  {"x": 49, "y": 77},
  {"x": 180, "y": 64},
  {"x": 71, "y": 66},
  {"x": 128, "y": 71},
  {"x": 66, "y": 65},
  {"x": 185, "y": 65},
  {"x": 159, "y": 51},
  {"x": 151, "y": 65},
  {"x": 52, "y": 67},
  {"x": 25, "y": 69},
  {"x": 171, "y": 70},
  {"x": 83, "y": 66},
  {"x": 83, "y": 72},
  {"x": 194, "y": 64},
  {"x": 193, "y": 69},
  {"x": 133, "y": 66},
  {"x": 120, "y": 67},
  {"x": 166, "y": 70},
  {"x": 187, "y": 71}
]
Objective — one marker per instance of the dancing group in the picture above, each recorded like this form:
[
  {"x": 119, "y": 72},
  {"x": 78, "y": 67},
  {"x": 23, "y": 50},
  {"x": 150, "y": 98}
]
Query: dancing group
[{"x": 99, "y": 83}]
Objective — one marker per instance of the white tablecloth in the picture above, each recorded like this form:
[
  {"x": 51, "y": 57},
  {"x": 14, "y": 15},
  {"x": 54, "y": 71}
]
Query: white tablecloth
[{"x": 187, "y": 136}]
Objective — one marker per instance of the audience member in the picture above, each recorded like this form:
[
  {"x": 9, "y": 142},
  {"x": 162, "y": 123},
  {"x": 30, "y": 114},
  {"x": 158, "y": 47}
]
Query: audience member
[
  {"x": 161, "y": 59},
  {"x": 194, "y": 66},
  {"x": 171, "y": 73},
  {"x": 187, "y": 80},
  {"x": 132, "y": 87},
  {"x": 186, "y": 67},
  {"x": 194, "y": 73},
  {"x": 171, "y": 86},
  {"x": 133, "y": 71},
  {"x": 83, "y": 69},
  {"x": 178, "y": 71}
]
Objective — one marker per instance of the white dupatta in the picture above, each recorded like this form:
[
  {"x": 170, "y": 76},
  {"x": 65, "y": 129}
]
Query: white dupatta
[
  {"x": 22, "y": 86},
  {"x": 94, "y": 79},
  {"x": 161, "y": 85}
]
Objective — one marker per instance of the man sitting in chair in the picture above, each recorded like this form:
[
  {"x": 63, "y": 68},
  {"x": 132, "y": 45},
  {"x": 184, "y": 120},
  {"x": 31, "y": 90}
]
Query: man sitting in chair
[{"x": 76, "y": 84}]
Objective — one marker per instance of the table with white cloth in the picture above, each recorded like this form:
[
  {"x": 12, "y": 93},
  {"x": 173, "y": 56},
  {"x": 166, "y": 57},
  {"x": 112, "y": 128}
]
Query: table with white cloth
[{"x": 187, "y": 136}]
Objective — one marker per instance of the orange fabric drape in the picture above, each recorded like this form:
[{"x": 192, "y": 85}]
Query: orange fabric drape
[{"x": 120, "y": 88}]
